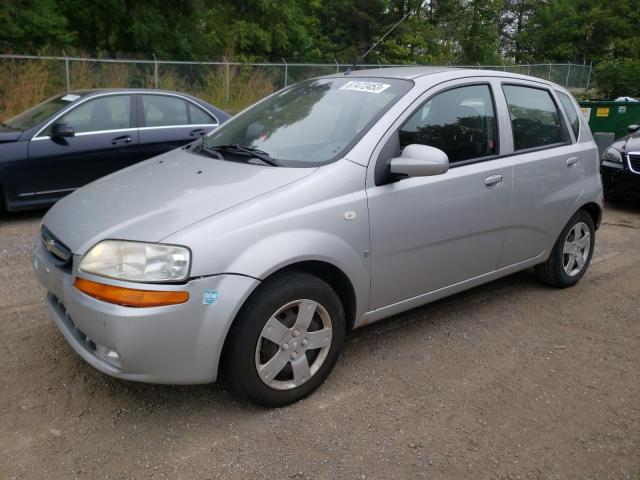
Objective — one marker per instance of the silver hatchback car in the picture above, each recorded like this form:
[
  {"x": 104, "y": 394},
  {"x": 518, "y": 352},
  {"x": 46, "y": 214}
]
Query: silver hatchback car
[{"x": 328, "y": 205}]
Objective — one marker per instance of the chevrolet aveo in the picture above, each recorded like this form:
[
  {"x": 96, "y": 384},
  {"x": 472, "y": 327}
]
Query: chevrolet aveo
[{"x": 328, "y": 205}]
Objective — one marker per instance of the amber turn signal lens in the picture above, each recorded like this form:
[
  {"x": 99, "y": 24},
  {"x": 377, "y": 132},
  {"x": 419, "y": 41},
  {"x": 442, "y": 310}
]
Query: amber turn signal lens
[{"x": 130, "y": 297}]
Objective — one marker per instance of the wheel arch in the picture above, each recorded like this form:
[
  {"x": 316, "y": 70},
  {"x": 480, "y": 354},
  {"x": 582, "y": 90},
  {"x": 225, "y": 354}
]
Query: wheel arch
[
  {"x": 331, "y": 274},
  {"x": 595, "y": 212}
]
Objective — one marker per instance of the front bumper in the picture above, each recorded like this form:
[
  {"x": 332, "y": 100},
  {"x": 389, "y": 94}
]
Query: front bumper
[
  {"x": 177, "y": 344},
  {"x": 619, "y": 180}
]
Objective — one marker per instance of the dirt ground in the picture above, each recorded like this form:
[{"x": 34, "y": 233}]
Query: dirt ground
[{"x": 511, "y": 380}]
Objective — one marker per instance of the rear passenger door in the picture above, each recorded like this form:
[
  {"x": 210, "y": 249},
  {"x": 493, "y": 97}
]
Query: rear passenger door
[
  {"x": 548, "y": 170},
  {"x": 170, "y": 121}
]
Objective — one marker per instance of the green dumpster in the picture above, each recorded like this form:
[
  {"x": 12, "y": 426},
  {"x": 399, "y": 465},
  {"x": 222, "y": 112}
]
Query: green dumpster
[{"x": 611, "y": 117}]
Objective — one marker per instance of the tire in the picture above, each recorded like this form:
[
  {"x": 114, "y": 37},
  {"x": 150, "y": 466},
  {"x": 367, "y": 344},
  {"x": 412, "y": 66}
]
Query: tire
[
  {"x": 268, "y": 344},
  {"x": 563, "y": 267}
]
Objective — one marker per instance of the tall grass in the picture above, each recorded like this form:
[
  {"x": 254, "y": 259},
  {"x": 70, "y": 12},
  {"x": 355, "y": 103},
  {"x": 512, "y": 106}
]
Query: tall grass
[{"x": 24, "y": 83}]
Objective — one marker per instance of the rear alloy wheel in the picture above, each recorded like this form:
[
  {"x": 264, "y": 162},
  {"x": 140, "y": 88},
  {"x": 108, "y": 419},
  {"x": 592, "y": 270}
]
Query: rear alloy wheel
[
  {"x": 571, "y": 254},
  {"x": 285, "y": 340}
]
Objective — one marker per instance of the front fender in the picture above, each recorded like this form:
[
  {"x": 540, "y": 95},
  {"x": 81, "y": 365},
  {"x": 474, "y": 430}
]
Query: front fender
[{"x": 279, "y": 251}]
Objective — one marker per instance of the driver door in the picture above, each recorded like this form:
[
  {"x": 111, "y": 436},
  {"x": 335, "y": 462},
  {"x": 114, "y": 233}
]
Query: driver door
[
  {"x": 105, "y": 140},
  {"x": 429, "y": 233}
]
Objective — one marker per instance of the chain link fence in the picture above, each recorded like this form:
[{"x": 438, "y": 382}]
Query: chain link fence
[{"x": 28, "y": 79}]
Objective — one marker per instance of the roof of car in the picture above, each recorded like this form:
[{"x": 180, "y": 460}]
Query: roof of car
[
  {"x": 91, "y": 91},
  {"x": 413, "y": 72},
  {"x": 397, "y": 72}
]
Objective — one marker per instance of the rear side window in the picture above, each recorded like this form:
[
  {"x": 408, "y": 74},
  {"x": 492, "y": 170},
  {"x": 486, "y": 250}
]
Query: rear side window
[
  {"x": 571, "y": 112},
  {"x": 461, "y": 122},
  {"x": 535, "y": 120},
  {"x": 199, "y": 117},
  {"x": 163, "y": 110}
]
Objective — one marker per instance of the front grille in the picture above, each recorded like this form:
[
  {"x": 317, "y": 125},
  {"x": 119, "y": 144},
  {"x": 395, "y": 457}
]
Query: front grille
[
  {"x": 58, "y": 251},
  {"x": 100, "y": 352},
  {"x": 634, "y": 162},
  {"x": 63, "y": 314}
]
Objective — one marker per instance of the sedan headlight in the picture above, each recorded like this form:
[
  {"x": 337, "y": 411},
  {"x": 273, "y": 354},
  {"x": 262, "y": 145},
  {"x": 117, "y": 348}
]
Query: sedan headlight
[
  {"x": 137, "y": 261},
  {"x": 611, "y": 155}
]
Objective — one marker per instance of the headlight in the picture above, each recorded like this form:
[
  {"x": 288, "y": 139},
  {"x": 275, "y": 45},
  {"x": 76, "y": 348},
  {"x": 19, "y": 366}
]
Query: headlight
[
  {"x": 611, "y": 155},
  {"x": 137, "y": 261}
]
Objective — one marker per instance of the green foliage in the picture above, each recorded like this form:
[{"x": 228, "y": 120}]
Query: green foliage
[
  {"x": 434, "y": 31},
  {"x": 615, "y": 78}
]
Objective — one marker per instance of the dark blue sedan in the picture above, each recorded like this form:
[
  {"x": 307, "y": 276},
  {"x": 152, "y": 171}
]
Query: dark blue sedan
[{"x": 74, "y": 138}]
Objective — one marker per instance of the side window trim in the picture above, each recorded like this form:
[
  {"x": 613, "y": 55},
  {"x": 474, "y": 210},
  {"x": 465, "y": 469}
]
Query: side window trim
[
  {"x": 39, "y": 134},
  {"x": 142, "y": 125},
  {"x": 575, "y": 137},
  {"x": 377, "y": 160},
  {"x": 566, "y": 135},
  {"x": 495, "y": 113}
]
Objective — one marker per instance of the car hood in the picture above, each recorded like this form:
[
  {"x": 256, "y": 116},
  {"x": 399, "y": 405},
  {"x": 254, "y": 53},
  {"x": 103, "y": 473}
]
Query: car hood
[
  {"x": 9, "y": 135},
  {"x": 158, "y": 197}
]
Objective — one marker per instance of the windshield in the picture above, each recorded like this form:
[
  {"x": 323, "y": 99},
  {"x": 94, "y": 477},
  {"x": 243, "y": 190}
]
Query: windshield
[
  {"x": 40, "y": 112},
  {"x": 312, "y": 122}
]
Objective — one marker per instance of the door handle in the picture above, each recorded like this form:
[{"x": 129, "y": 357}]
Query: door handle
[
  {"x": 493, "y": 181},
  {"x": 572, "y": 161},
  {"x": 121, "y": 140},
  {"x": 197, "y": 132}
]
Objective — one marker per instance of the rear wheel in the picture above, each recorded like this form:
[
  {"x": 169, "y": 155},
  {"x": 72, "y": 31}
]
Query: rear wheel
[
  {"x": 286, "y": 340},
  {"x": 571, "y": 253}
]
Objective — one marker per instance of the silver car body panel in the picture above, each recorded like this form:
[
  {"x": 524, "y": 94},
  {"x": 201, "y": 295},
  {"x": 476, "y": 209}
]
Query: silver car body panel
[{"x": 400, "y": 245}]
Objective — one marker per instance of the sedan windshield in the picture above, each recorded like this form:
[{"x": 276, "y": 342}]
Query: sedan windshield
[
  {"x": 40, "y": 112},
  {"x": 312, "y": 122}
]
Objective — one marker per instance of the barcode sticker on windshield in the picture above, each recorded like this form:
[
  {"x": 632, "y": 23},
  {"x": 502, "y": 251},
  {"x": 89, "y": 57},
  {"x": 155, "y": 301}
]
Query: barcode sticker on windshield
[
  {"x": 70, "y": 97},
  {"x": 369, "y": 87}
]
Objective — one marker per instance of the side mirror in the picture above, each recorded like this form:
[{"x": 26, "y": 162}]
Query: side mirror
[
  {"x": 633, "y": 128},
  {"x": 420, "y": 161},
  {"x": 61, "y": 130}
]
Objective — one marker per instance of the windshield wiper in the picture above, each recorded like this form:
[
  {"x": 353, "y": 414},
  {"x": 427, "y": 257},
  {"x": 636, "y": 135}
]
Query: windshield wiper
[{"x": 254, "y": 152}]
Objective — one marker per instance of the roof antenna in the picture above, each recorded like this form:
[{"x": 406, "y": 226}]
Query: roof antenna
[{"x": 377, "y": 43}]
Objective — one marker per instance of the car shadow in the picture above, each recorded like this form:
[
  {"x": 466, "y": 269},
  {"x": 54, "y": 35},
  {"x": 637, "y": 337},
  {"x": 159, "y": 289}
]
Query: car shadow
[
  {"x": 21, "y": 216},
  {"x": 625, "y": 206}
]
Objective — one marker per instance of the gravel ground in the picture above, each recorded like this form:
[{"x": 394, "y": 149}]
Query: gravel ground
[{"x": 509, "y": 380}]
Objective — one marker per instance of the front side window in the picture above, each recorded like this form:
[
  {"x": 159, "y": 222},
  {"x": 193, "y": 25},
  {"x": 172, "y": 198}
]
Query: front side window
[
  {"x": 42, "y": 111},
  {"x": 570, "y": 111},
  {"x": 461, "y": 122},
  {"x": 103, "y": 113},
  {"x": 164, "y": 110},
  {"x": 535, "y": 120},
  {"x": 312, "y": 122}
]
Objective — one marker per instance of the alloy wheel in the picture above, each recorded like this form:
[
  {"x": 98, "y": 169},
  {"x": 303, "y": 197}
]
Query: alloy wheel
[{"x": 293, "y": 344}]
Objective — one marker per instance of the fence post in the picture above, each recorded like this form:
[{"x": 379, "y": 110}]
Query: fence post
[
  {"x": 337, "y": 66},
  {"x": 589, "y": 76},
  {"x": 379, "y": 65},
  {"x": 155, "y": 69},
  {"x": 227, "y": 81},
  {"x": 66, "y": 67},
  {"x": 286, "y": 72},
  {"x": 528, "y": 69},
  {"x": 549, "y": 72},
  {"x": 566, "y": 80}
]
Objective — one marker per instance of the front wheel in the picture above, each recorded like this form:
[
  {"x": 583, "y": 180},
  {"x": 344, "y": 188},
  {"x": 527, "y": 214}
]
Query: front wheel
[
  {"x": 571, "y": 253},
  {"x": 286, "y": 340}
]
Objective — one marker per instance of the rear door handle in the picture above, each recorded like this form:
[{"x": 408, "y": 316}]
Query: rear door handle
[
  {"x": 197, "y": 132},
  {"x": 121, "y": 140},
  {"x": 572, "y": 161},
  {"x": 493, "y": 181}
]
